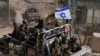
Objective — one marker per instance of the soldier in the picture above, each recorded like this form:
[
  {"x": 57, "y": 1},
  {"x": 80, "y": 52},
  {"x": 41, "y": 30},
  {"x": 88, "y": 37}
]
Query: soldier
[
  {"x": 24, "y": 25},
  {"x": 56, "y": 50},
  {"x": 21, "y": 33},
  {"x": 40, "y": 24}
]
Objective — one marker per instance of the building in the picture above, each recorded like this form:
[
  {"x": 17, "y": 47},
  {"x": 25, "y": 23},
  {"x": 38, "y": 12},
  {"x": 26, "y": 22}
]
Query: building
[{"x": 93, "y": 10}]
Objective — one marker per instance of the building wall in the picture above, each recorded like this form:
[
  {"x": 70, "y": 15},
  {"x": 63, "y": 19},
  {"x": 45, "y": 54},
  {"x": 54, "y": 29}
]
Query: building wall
[
  {"x": 2, "y": 3},
  {"x": 96, "y": 18},
  {"x": 89, "y": 16},
  {"x": 46, "y": 1},
  {"x": 45, "y": 7},
  {"x": 91, "y": 5}
]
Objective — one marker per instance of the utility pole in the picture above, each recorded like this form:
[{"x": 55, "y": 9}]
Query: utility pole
[
  {"x": 93, "y": 19},
  {"x": 9, "y": 10},
  {"x": 67, "y": 3}
]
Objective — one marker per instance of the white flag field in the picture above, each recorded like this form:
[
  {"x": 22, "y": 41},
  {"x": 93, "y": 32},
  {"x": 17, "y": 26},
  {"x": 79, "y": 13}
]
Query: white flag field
[{"x": 63, "y": 13}]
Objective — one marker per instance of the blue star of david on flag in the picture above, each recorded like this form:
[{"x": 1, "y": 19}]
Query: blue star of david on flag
[{"x": 63, "y": 13}]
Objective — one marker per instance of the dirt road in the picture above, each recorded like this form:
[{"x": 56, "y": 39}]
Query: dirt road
[{"x": 5, "y": 30}]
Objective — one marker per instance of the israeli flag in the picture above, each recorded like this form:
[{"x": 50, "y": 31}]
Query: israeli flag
[{"x": 63, "y": 13}]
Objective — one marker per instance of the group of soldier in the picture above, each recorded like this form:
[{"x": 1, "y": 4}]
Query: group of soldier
[{"x": 28, "y": 35}]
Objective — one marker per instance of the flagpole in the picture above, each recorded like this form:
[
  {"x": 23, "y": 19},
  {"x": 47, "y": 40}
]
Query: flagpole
[
  {"x": 69, "y": 7},
  {"x": 63, "y": 21}
]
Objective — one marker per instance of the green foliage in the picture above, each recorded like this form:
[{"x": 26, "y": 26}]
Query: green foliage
[
  {"x": 4, "y": 11},
  {"x": 51, "y": 15},
  {"x": 12, "y": 12}
]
